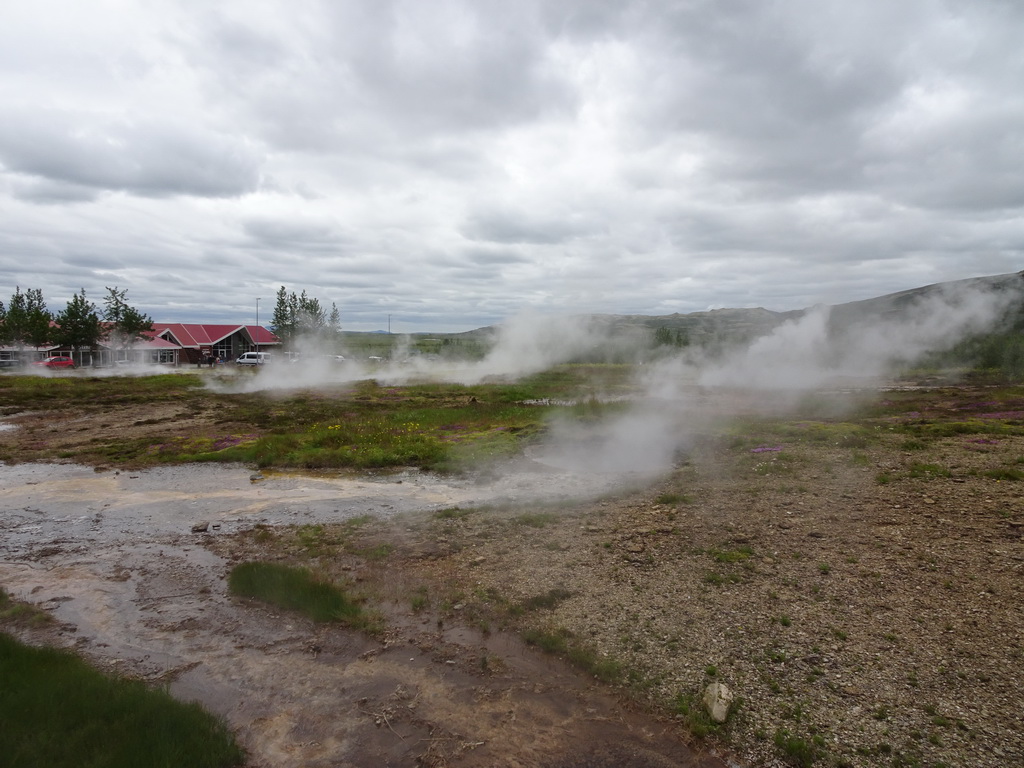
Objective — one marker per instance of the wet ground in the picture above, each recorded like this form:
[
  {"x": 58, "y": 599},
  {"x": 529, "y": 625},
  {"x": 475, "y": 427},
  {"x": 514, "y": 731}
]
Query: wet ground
[{"x": 114, "y": 558}]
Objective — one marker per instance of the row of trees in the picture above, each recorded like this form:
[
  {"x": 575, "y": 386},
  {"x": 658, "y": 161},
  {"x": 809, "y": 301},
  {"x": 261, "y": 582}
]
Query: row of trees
[
  {"x": 26, "y": 322},
  {"x": 300, "y": 316}
]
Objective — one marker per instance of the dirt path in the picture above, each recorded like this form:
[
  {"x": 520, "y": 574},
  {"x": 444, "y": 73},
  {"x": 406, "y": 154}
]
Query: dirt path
[{"x": 113, "y": 558}]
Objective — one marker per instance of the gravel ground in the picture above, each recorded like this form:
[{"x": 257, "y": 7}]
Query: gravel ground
[
  {"x": 859, "y": 592},
  {"x": 862, "y": 602}
]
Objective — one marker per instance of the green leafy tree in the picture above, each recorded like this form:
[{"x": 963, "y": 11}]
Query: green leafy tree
[
  {"x": 78, "y": 325},
  {"x": 126, "y": 326},
  {"x": 26, "y": 321}
]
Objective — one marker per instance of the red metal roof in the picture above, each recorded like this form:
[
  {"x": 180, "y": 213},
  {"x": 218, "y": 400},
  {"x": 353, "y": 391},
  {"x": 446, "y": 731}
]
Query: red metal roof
[{"x": 204, "y": 335}]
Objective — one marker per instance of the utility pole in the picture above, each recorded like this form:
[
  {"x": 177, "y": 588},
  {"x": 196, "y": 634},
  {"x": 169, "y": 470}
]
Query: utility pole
[{"x": 257, "y": 339}]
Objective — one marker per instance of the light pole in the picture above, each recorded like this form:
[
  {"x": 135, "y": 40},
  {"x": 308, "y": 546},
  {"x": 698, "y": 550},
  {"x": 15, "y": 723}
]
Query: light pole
[{"x": 257, "y": 329}]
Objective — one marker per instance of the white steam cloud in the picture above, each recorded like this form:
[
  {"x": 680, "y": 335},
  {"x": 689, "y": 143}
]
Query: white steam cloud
[
  {"x": 679, "y": 397},
  {"x": 683, "y": 395},
  {"x": 524, "y": 345}
]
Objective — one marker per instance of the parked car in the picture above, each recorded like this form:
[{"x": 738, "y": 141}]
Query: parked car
[
  {"x": 58, "y": 361},
  {"x": 254, "y": 358}
]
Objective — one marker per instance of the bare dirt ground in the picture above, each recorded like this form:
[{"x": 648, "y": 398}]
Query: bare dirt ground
[{"x": 864, "y": 601}]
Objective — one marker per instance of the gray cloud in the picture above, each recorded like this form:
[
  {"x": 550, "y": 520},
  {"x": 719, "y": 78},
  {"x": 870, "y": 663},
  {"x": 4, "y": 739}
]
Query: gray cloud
[
  {"x": 143, "y": 157},
  {"x": 472, "y": 159}
]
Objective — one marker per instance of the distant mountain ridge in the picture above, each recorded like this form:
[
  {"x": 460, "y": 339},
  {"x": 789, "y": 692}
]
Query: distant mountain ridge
[{"x": 739, "y": 324}]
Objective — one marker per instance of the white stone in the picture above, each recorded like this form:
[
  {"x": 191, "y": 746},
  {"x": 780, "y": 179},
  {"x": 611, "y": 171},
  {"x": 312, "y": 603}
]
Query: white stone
[{"x": 717, "y": 699}]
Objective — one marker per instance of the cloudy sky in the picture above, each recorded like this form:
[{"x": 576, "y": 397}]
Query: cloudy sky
[{"x": 451, "y": 163}]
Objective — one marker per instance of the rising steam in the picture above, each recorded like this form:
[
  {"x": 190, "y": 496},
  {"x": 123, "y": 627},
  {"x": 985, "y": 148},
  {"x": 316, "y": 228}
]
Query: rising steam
[{"x": 680, "y": 396}]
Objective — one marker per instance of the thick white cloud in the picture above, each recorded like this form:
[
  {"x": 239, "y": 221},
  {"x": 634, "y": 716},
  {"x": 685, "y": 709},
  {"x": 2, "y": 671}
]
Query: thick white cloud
[{"x": 451, "y": 163}]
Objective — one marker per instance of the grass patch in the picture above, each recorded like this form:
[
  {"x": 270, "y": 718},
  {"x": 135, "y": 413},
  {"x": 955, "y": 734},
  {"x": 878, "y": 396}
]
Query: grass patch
[
  {"x": 918, "y": 469},
  {"x": 59, "y": 712},
  {"x": 546, "y": 600},
  {"x": 716, "y": 579},
  {"x": 1004, "y": 473},
  {"x": 452, "y": 513},
  {"x": 17, "y": 612},
  {"x": 561, "y": 642},
  {"x": 296, "y": 589},
  {"x": 796, "y": 750},
  {"x": 737, "y": 555},
  {"x": 535, "y": 519},
  {"x": 690, "y": 708}
]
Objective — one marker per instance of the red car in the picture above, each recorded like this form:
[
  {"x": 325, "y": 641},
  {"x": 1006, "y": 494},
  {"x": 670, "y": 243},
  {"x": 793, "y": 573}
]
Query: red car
[{"x": 56, "y": 362}]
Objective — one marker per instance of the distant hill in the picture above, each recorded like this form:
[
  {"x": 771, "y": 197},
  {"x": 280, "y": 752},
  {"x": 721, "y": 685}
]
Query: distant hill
[
  {"x": 737, "y": 325},
  {"x": 894, "y": 305},
  {"x": 744, "y": 324}
]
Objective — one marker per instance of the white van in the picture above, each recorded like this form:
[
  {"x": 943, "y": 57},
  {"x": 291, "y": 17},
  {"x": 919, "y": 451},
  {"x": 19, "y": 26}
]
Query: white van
[{"x": 254, "y": 358}]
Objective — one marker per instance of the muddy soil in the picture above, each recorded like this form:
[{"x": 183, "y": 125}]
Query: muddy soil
[{"x": 112, "y": 557}]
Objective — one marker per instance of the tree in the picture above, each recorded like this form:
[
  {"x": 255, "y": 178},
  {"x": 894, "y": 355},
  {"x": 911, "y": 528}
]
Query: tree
[
  {"x": 78, "y": 326},
  {"x": 310, "y": 317},
  {"x": 300, "y": 315},
  {"x": 27, "y": 321},
  {"x": 334, "y": 320},
  {"x": 126, "y": 324},
  {"x": 283, "y": 321},
  {"x": 39, "y": 318}
]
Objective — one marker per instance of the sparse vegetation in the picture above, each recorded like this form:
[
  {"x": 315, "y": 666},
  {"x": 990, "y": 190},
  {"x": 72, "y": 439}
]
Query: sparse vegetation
[{"x": 798, "y": 587}]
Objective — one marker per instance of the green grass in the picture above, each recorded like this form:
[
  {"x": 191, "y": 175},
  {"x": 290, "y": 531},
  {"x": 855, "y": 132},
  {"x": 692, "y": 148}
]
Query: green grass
[
  {"x": 1004, "y": 473},
  {"x": 56, "y": 711},
  {"x": 689, "y": 707},
  {"x": 735, "y": 555},
  {"x": 535, "y": 519},
  {"x": 21, "y": 613},
  {"x": 296, "y": 589},
  {"x": 922, "y": 470},
  {"x": 797, "y": 751},
  {"x": 546, "y": 600},
  {"x": 561, "y": 642},
  {"x": 452, "y": 513}
]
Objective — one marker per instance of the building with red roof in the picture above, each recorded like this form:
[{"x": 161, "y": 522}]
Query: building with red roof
[{"x": 200, "y": 341}]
